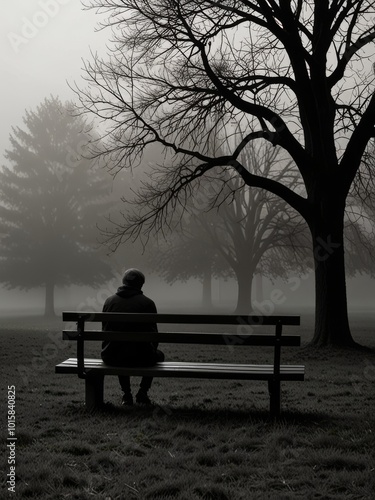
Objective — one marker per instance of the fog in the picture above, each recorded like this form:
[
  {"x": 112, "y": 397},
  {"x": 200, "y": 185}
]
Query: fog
[
  {"x": 297, "y": 297},
  {"x": 42, "y": 50}
]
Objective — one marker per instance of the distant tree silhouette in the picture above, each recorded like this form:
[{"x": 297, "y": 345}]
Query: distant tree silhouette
[
  {"x": 50, "y": 201},
  {"x": 189, "y": 252},
  {"x": 360, "y": 228},
  {"x": 257, "y": 232},
  {"x": 249, "y": 231}
]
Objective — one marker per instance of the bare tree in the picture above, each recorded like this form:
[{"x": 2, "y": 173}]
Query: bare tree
[{"x": 296, "y": 73}]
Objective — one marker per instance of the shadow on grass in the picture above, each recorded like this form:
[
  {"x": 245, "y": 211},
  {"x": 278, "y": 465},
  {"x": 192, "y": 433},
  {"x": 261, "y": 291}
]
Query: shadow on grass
[{"x": 194, "y": 415}]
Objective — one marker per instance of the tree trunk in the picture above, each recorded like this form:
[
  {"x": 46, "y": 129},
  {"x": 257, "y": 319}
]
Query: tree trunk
[
  {"x": 258, "y": 281},
  {"x": 331, "y": 309},
  {"x": 244, "y": 297},
  {"x": 49, "y": 309},
  {"x": 207, "y": 290}
]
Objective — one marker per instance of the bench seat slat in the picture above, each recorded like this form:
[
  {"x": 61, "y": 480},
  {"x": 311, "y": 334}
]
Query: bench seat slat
[{"x": 187, "y": 369}]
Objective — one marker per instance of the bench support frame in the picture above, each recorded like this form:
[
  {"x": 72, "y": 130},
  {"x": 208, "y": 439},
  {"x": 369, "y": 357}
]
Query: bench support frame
[
  {"x": 274, "y": 389},
  {"x": 94, "y": 394},
  {"x": 94, "y": 391}
]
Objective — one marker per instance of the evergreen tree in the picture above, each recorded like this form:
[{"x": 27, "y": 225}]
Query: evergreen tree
[{"x": 50, "y": 202}]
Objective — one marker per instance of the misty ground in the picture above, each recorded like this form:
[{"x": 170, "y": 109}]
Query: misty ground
[{"x": 203, "y": 439}]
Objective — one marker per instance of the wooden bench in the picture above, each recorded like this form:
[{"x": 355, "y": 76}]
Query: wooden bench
[{"x": 94, "y": 370}]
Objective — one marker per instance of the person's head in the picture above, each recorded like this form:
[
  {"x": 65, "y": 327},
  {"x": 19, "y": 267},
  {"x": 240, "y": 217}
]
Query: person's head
[{"x": 133, "y": 278}]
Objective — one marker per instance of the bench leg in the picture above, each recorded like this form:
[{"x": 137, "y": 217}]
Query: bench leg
[
  {"x": 94, "y": 389},
  {"x": 274, "y": 390}
]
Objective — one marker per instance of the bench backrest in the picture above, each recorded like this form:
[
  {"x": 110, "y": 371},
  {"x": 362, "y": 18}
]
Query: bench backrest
[{"x": 245, "y": 334}]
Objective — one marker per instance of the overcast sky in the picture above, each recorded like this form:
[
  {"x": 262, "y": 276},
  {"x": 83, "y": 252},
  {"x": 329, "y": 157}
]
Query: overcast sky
[{"x": 43, "y": 43}]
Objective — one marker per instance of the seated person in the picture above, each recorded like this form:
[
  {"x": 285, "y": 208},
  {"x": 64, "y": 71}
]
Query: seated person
[{"x": 130, "y": 298}]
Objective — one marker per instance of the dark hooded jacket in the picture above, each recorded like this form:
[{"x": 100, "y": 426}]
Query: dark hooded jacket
[{"x": 131, "y": 300}]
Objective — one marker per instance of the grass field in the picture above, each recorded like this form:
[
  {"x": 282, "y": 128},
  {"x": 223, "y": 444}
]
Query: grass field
[{"x": 204, "y": 439}]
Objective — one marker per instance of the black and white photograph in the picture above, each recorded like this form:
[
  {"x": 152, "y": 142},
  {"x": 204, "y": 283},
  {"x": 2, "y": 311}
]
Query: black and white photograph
[{"x": 187, "y": 250}]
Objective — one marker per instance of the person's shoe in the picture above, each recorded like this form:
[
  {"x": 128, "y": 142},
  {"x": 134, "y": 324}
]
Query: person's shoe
[
  {"x": 142, "y": 398},
  {"x": 127, "y": 399}
]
